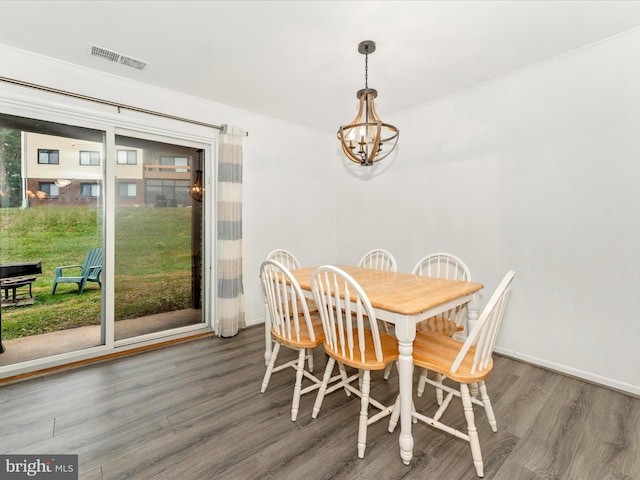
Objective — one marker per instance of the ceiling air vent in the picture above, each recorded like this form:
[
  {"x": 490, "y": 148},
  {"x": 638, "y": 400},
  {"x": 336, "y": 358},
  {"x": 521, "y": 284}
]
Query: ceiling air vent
[{"x": 115, "y": 57}]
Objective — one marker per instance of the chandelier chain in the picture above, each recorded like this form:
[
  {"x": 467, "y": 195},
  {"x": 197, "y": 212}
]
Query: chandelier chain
[{"x": 366, "y": 71}]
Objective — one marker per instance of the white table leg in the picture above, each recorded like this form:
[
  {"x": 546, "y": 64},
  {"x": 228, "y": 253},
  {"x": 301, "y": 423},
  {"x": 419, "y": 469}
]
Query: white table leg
[
  {"x": 405, "y": 332},
  {"x": 472, "y": 315}
]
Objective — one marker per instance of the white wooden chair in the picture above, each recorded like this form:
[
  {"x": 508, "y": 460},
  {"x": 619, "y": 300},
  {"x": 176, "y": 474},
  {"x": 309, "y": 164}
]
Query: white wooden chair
[
  {"x": 291, "y": 326},
  {"x": 345, "y": 311},
  {"x": 443, "y": 265},
  {"x": 285, "y": 257},
  {"x": 379, "y": 259},
  {"x": 463, "y": 363},
  {"x": 290, "y": 261}
]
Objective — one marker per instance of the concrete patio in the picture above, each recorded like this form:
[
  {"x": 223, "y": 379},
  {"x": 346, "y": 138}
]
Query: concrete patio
[{"x": 63, "y": 341}]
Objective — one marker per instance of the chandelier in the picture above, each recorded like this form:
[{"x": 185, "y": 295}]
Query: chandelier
[
  {"x": 367, "y": 139},
  {"x": 196, "y": 190}
]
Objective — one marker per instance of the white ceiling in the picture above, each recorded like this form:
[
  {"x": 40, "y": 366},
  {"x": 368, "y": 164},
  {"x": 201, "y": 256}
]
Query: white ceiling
[{"x": 298, "y": 60}]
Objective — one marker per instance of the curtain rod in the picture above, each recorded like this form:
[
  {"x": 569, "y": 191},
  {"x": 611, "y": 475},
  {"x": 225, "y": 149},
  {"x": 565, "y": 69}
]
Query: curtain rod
[{"x": 119, "y": 106}]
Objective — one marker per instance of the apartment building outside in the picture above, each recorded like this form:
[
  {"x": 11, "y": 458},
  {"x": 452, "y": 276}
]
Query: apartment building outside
[{"x": 61, "y": 171}]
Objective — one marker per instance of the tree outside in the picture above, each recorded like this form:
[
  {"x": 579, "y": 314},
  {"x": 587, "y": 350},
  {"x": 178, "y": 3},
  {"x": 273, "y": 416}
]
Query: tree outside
[{"x": 10, "y": 168}]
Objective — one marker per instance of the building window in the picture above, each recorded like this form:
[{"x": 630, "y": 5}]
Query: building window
[
  {"x": 126, "y": 189},
  {"x": 177, "y": 161},
  {"x": 127, "y": 157},
  {"x": 176, "y": 191},
  {"x": 89, "y": 190},
  {"x": 89, "y": 158},
  {"x": 49, "y": 189},
  {"x": 48, "y": 156}
]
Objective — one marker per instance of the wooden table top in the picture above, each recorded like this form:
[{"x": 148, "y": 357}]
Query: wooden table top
[{"x": 402, "y": 293}]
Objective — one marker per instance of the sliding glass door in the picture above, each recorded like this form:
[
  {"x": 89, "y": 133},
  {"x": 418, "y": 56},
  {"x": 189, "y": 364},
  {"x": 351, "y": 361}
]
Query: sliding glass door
[
  {"x": 102, "y": 242},
  {"x": 158, "y": 238},
  {"x": 51, "y": 211}
]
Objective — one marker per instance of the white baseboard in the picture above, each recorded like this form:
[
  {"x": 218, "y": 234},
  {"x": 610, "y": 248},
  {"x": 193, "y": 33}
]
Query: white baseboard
[
  {"x": 574, "y": 372},
  {"x": 255, "y": 321}
]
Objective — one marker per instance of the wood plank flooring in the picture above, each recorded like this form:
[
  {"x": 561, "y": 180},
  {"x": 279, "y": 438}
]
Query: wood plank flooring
[{"x": 194, "y": 411}]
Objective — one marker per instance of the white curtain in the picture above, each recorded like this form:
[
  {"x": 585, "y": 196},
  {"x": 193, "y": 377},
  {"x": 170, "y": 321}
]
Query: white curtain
[{"x": 231, "y": 309}]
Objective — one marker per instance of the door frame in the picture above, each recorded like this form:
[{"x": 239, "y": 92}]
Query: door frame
[{"x": 16, "y": 100}]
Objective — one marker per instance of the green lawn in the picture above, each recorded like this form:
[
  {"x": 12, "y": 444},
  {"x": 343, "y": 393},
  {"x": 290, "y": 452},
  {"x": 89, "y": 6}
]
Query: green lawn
[{"x": 152, "y": 264}]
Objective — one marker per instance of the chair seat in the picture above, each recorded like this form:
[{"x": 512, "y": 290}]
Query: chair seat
[
  {"x": 305, "y": 339},
  {"x": 389, "y": 352},
  {"x": 437, "y": 353},
  {"x": 440, "y": 325},
  {"x": 68, "y": 279}
]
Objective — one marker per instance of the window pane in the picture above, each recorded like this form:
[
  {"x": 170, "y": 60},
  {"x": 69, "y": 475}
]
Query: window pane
[
  {"x": 47, "y": 189},
  {"x": 175, "y": 161},
  {"x": 48, "y": 156},
  {"x": 158, "y": 238},
  {"x": 181, "y": 161},
  {"x": 45, "y": 221},
  {"x": 127, "y": 189},
  {"x": 127, "y": 157},
  {"x": 89, "y": 158},
  {"x": 90, "y": 190}
]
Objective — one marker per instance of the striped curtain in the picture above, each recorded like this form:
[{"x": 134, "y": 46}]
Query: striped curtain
[{"x": 229, "y": 252}]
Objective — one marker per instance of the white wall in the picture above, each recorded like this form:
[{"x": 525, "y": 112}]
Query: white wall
[
  {"x": 289, "y": 170},
  {"x": 538, "y": 172},
  {"x": 289, "y": 200}
]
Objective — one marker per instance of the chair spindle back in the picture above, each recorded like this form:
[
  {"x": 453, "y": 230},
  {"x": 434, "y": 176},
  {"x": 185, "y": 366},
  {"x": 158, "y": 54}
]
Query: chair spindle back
[
  {"x": 446, "y": 265},
  {"x": 341, "y": 301},
  {"x": 484, "y": 333},
  {"x": 285, "y": 257},
  {"x": 379, "y": 259},
  {"x": 285, "y": 301}
]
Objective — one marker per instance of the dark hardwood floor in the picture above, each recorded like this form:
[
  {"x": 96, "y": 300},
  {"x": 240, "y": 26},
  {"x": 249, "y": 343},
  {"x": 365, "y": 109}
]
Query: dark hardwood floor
[{"x": 194, "y": 411}]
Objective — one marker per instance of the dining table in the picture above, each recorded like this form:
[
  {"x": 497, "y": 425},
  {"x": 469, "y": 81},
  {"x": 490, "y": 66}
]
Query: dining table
[{"x": 404, "y": 300}]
